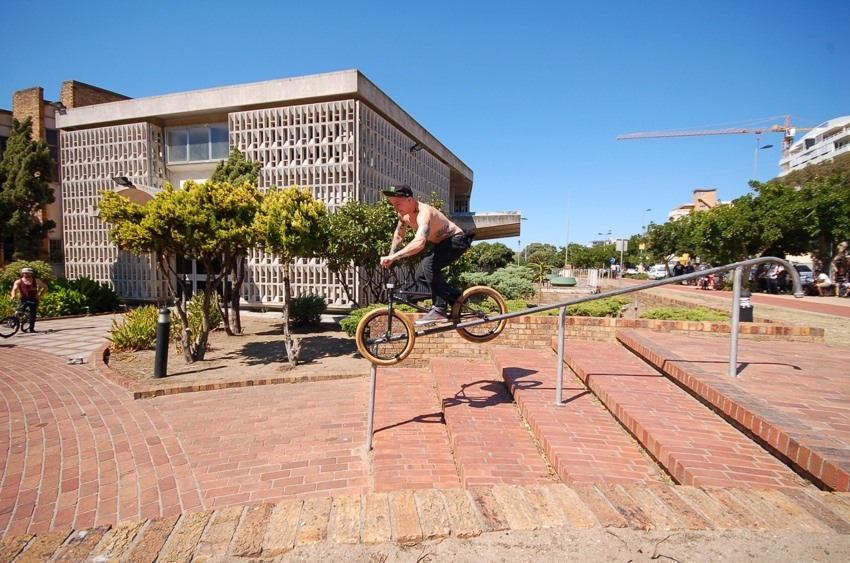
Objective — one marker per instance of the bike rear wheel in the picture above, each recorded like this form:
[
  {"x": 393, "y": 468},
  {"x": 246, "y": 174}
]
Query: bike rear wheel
[
  {"x": 9, "y": 326},
  {"x": 385, "y": 339},
  {"x": 480, "y": 303}
]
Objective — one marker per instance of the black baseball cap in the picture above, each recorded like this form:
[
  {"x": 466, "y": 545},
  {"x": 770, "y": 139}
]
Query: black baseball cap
[{"x": 402, "y": 190}]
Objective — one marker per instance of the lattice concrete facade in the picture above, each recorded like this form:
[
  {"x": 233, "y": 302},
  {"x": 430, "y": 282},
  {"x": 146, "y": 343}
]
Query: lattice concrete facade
[{"x": 342, "y": 149}]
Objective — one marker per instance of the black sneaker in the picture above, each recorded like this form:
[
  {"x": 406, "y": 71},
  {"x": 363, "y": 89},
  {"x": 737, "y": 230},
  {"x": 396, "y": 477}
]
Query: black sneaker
[{"x": 435, "y": 315}]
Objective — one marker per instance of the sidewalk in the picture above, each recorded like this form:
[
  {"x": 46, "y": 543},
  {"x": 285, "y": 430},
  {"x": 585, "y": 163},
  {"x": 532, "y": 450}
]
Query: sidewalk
[{"x": 259, "y": 471}]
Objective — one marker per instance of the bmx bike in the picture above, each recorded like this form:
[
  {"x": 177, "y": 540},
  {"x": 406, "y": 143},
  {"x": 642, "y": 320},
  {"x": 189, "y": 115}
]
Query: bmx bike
[
  {"x": 386, "y": 336},
  {"x": 20, "y": 319}
]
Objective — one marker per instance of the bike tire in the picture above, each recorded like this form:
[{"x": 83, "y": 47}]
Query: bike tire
[
  {"x": 385, "y": 340},
  {"x": 9, "y": 326},
  {"x": 480, "y": 302}
]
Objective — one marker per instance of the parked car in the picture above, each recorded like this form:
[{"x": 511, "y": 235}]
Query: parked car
[
  {"x": 657, "y": 272},
  {"x": 807, "y": 278}
]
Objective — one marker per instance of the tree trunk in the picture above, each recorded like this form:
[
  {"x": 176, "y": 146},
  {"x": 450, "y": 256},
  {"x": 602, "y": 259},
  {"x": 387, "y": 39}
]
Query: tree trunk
[
  {"x": 293, "y": 345},
  {"x": 235, "y": 293}
]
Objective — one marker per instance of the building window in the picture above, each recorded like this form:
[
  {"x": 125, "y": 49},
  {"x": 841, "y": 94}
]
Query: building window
[
  {"x": 461, "y": 204},
  {"x": 198, "y": 143}
]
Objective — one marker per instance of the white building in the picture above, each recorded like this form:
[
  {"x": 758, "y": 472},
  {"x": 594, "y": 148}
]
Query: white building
[
  {"x": 824, "y": 142},
  {"x": 336, "y": 134}
]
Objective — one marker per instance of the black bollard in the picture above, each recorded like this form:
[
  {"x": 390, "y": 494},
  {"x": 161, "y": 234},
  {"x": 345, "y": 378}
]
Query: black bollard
[
  {"x": 746, "y": 307},
  {"x": 163, "y": 328}
]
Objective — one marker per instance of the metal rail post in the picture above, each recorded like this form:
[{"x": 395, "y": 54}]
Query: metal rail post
[
  {"x": 559, "y": 385},
  {"x": 736, "y": 317},
  {"x": 371, "y": 419}
]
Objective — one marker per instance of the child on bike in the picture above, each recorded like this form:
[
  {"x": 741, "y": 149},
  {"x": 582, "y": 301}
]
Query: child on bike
[
  {"x": 30, "y": 289},
  {"x": 430, "y": 225}
]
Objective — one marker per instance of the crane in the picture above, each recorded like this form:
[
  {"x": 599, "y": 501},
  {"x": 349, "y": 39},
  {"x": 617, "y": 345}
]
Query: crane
[{"x": 787, "y": 129}]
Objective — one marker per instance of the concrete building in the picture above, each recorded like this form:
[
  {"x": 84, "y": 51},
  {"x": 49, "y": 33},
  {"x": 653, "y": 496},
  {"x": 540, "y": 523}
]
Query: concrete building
[
  {"x": 336, "y": 134},
  {"x": 30, "y": 103},
  {"x": 823, "y": 143},
  {"x": 703, "y": 200}
]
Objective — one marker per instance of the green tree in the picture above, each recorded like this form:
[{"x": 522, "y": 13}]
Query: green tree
[
  {"x": 489, "y": 257},
  {"x": 25, "y": 175},
  {"x": 290, "y": 224},
  {"x": 237, "y": 171},
  {"x": 357, "y": 235},
  {"x": 201, "y": 222}
]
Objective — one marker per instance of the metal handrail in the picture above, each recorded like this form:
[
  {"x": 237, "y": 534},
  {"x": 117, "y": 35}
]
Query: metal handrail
[
  {"x": 562, "y": 305},
  {"x": 736, "y": 304}
]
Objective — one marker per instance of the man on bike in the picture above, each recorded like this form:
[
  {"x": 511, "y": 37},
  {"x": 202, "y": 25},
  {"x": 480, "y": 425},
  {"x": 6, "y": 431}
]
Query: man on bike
[
  {"x": 430, "y": 225},
  {"x": 30, "y": 289}
]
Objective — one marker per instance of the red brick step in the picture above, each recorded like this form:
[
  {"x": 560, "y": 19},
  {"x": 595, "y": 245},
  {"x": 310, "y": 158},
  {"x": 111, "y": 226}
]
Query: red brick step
[
  {"x": 581, "y": 439},
  {"x": 695, "y": 445}
]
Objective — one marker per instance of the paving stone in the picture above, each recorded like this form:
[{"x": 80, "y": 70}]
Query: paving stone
[
  {"x": 717, "y": 515},
  {"x": 743, "y": 517},
  {"x": 577, "y": 512},
  {"x": 188, "y": 531},
  {"x": 492, "y": 515},
  {"x": 516, "y": 509},
  {"x": 43, "y": 546},
  {"x": 462, "y": 514},
  {"x": 606, "y": 514},
  {"x": 118, "y": 540},
  {"x": 315, "y": 517},
  {"x": 346, "y": 519},
  {"x": 542, "y": 506},
  {"x": 797, "y": 518},
  {"x": 10, "y": 546},
  {"x": 219, "y": 533},
  {"x": 153, "y": 536},
  {"x": 405, "y": 518},
  {"x": 376, "y": 522},
  {"x": 283, "y": 527},
  {"x": 79, "y": 545},
  {"x": 660, "y": 516},
  {"x": 434, "y": 518},
  {"x": 248, "y": 540},
  {"x": 630, "y": 510},
  {"x": 691, "y": 517}
]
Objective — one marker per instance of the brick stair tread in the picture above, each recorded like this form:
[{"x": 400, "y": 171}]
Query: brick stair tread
[
  {"x": 409, "y": 452},
  {"x": 799, "y": 408},
  {"x": 695, "y": 445},
  {"x": 581, "y": 439},
  {"x": 491, "y": 444}
]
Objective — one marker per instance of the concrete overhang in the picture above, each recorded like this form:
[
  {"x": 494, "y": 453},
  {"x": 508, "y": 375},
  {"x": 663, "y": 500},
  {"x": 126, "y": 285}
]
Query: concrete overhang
[
  {"x": 197, "y": 104},
  {"x": 490, "y": 225}
]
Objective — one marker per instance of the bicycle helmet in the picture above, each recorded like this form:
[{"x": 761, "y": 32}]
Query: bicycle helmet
[{"x": 26, "y": 271}]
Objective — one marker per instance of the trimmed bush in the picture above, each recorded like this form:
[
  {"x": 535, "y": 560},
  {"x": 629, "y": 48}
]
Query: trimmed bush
[
  {"x": 100, "y": 297},
  {"x": 61, "y": 302},
  {"x": 682, "y": 314},
  {"x": 307, "y": 310},
  {"x": 349, "y": 323}
]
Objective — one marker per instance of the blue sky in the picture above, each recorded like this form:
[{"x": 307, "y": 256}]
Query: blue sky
[{"x": 530, "y": 95}]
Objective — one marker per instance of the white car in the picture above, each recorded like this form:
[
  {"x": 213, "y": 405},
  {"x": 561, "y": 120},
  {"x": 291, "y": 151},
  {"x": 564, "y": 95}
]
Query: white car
[{"x": 656, "y": 272}]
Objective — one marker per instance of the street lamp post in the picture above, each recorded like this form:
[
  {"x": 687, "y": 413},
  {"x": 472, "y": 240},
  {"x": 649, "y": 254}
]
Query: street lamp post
[
  {"x": 756, "y": 160},
  {"x": 643, "y": 227}
]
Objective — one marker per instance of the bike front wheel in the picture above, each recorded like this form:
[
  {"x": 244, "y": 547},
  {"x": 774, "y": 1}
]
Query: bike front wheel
[
  {"x": 385, "y": 339},
  {"x": 480, "y": 303},
  {"x": 9, "y": 326}
]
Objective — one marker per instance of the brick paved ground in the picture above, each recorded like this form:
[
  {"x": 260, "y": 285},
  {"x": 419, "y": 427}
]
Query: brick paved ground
[{"x": 239, "y": 470}]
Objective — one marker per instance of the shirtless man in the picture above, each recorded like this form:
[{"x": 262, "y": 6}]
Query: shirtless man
[{"x": 430, "y": 225}]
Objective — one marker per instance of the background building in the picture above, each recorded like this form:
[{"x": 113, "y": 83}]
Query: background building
[{"x": 336, "y": 134}]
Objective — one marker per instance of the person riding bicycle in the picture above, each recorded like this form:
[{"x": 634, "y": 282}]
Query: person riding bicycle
[
  {"x": 30, "y": 289},
  {"x": 430, "y": 225}
]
